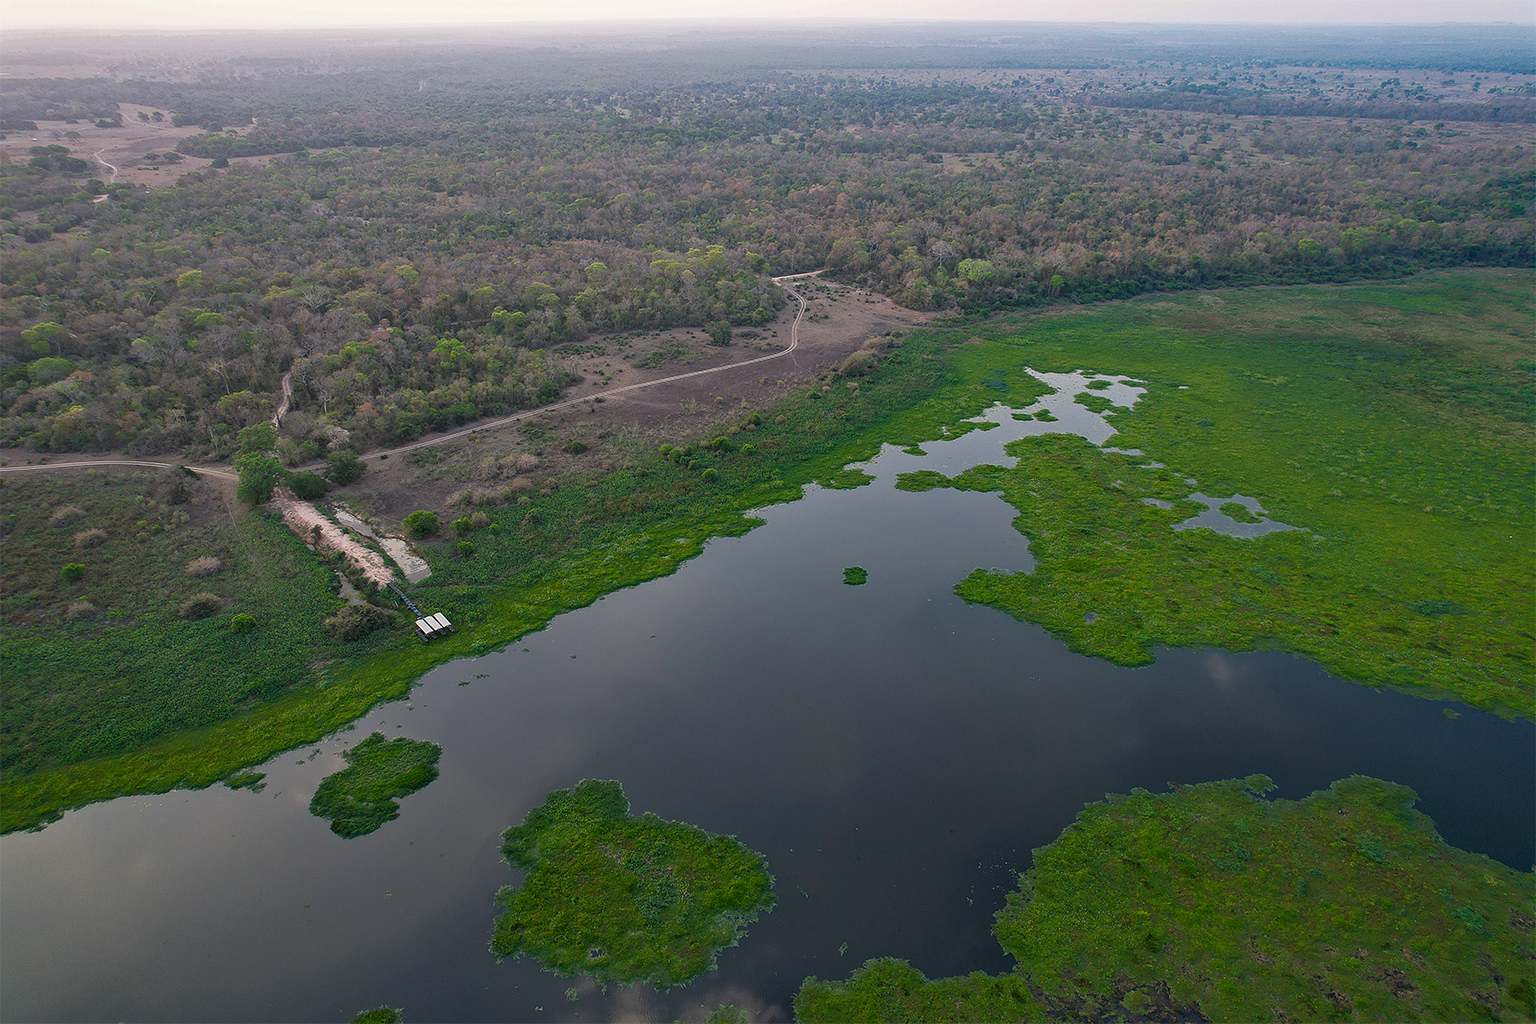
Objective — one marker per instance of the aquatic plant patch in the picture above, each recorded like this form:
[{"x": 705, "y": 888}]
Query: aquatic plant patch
[
  {"x": 1407, "y": 494},
  {"x": 1211, "y": 903},
  {"x": 624, "y": 898},
  {"x": 921, "y": 480},
  {"x": 362, "y": 796},
  {"x": 855, "y": 576}
]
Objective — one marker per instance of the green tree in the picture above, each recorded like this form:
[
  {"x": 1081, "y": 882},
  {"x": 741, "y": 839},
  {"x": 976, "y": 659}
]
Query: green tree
[
  {"x": 421, "y": 523},
  {"x": 259, "y": 475},
  {"x": 977, "y": 271},
  {"x": 259, "y": 438},
  {"x": 45, "y": 337},
  {"x": 343, "y": 467},
  {"x": 50, "y": 369}
]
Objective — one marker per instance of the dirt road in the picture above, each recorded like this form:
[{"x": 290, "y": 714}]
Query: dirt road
[
  {"x": 282, "y": 406},
  {"x": 496, "y": 424}
]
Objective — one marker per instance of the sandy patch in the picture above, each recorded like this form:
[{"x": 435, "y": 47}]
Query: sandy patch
[{"x": 303, "y": 518}]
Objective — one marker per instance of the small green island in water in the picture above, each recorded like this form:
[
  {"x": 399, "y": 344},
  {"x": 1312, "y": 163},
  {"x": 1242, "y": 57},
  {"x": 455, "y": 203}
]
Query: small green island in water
[
  {"x": 1211, "y": 903},
  {"x": 624, "y": 898},
  {"x": 361, "y": 797}
]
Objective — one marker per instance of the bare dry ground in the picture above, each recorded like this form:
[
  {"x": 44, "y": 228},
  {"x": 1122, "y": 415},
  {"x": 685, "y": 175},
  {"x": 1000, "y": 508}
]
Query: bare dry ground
[
  {"x": 839, "y": 319},
  {"x": 124, "y": 148}
]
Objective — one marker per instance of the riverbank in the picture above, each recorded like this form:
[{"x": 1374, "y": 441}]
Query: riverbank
[{"x": 1243, "y": 356}]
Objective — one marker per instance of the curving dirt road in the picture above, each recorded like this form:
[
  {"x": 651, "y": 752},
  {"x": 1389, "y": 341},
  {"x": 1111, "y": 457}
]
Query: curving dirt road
[
  {"x": 96, "y": 463},
  {"x": 794, "y": 341},
  {"x": 111, "y": 167},
  {"x": 496, "y": 424},
  {"x": 282, "y": 406}
]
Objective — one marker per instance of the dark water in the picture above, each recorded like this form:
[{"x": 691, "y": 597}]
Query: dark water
[{"x": 895, "y": 753}]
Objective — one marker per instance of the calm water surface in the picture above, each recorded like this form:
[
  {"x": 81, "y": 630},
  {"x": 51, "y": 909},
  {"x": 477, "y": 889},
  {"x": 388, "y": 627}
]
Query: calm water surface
[{"x": 894, "y": 752}]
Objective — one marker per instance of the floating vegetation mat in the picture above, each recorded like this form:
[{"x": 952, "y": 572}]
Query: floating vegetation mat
[
  {"x": 361, "y": 797},
  {"x": 622, "y": 898},
  {"x": 855, "y": 575},
  {"x": 1210, "y": 903}
]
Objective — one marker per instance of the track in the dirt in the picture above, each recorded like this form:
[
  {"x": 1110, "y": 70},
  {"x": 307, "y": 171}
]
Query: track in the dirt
[{"x": 496, "y": 424}]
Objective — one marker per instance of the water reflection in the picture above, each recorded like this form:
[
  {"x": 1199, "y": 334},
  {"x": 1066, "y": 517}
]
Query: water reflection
[{"x": 894, "y": 752}]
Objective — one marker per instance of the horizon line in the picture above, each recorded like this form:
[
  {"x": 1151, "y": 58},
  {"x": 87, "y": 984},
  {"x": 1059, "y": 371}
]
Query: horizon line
[{"x": 99, "y": 28}]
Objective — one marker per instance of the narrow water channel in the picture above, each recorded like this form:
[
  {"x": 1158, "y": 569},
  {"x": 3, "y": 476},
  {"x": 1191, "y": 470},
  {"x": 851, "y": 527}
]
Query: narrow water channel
[{"x": 894, "y": 752}]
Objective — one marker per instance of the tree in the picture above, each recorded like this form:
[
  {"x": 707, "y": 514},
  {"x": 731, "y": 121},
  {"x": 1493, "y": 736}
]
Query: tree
[
  {"x": 50, "y": 369},
  {"x": 421, "y": 523},
  {"x": 45, "y": 337},
  {"x": 719, "y": 332},
  {"x": 343, "y": 467},
  {"x": 259, "y": 438},
  {"x": 259, "y": 475},
  {"x": 977, "y": 271}
]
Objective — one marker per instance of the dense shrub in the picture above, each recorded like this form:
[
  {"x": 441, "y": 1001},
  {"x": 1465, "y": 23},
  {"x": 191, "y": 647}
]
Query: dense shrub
[
  {"x": 343, "y": 467},
  {"x": 200, "y": 606},
  {"x": 309, "y": 486},
  {"x": 421, "y": 523},
  {"x": 242, "y": 623},
  {"x": 356, "y": 621}
]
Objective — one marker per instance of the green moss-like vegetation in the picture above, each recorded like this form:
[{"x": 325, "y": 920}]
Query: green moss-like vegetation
[
  {"x": 380, "y": 1015},
  {"x": 253, "y": 781},
  {"x": 1211, "y": 903},
  {"x": 1237, "y": 512},
  {"x": 361, "y": 797},
  {"x": 855, "y": 575},
  {"x": 623, "y": 898},
  {"x": 921, "y": 480},
  {"x": 1093, "y": 402},
  {"x": 1392, "y": 423}
]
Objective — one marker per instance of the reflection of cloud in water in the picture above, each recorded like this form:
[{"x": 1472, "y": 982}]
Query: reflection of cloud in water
[
  {"x": 825, "y": 753},
  {"x": 1222, "y": 670},
  {"x": 634, "y": 1002},
  {"x": 753, "y": 1006}
]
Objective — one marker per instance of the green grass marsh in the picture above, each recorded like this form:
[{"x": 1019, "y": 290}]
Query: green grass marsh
[
  {"x": 1211, "y": 903},
  {"x": 623, "y": 898}
]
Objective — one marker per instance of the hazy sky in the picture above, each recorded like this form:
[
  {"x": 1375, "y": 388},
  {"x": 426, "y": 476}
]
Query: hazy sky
[{"x": 148, "y": 14}]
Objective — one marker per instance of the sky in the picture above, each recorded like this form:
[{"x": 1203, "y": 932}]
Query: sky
[{"x": 214, "y": 14}]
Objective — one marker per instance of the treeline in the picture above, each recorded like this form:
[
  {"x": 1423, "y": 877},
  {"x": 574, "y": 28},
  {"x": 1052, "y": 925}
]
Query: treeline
[
  {"x": 416, "y": 285},
  {"x": 1507, "y": 110}
]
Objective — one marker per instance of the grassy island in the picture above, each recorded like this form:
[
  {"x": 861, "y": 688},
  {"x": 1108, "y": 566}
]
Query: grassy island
[
  {"x": 361, "y": 797},
  {"x": 624, "y": 898},
  {"x": 1211, "y": 903}
]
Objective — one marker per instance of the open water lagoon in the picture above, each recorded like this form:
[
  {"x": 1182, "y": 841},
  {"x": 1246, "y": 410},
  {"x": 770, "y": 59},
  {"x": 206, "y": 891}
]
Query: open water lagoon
[{"x": 893, "y": 751}]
